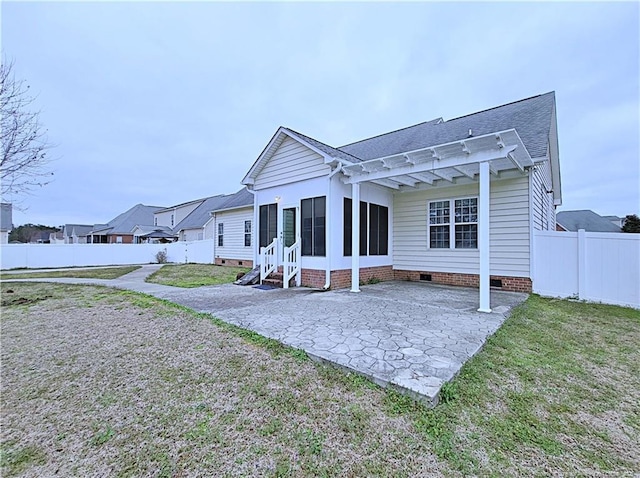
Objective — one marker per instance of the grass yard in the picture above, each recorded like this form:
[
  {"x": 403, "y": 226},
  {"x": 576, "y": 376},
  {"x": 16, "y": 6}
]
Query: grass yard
[
  {"x": 195, "y": 275},
  {"x": 103, "y": 382},
  {"x": 97, "y": 273}
]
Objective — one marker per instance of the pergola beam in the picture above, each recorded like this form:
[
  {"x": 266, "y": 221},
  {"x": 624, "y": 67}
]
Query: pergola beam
[
  {"x": 432, "y": 166},
  {"x": 464, "y": 171}
]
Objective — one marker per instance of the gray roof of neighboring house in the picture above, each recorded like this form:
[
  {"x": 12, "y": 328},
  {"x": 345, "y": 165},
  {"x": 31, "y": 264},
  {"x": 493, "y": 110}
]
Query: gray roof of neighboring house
[
  {"x": 78, "y": 229},
  {"x": 240, "y": 199},
  {"x": 128, "y": 220},
  {"x": 6, "y": 218},
  {"x": 530, "y": 117},
  {"x": 201, "y": 215},
  {"x": 146, "y": 229},
  {"x": 585, "y": 219}
]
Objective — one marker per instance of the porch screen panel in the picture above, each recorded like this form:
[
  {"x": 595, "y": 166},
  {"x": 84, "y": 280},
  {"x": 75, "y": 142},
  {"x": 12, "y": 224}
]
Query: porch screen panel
[
  {"x": 348, "y": 227},
  {"x": 378, "y": 230},
  {"x": 268, "y": 223},
  {"x": 319, "y": 225},
  {"x": 313, "y": 220},
  {"x": 364, "y": 221}
]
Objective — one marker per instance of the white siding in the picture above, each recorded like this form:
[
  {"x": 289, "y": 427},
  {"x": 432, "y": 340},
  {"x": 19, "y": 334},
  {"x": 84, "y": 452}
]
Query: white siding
[
  {"x": 544, "y": 213},
  {"x": 291, "y": 162},
  {"x": 509, "y": 225},
  {"x": 179, "y": 213},
  {"x": 195, "y": 234},
  {"x": 233, "y": 221}
]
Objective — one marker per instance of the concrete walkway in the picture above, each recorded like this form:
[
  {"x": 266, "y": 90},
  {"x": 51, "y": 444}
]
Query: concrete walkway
[{"x": 412, "y": 336}]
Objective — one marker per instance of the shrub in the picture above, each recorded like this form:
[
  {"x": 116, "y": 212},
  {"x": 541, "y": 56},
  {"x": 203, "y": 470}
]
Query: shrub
[{"x": 161, "y": 256}]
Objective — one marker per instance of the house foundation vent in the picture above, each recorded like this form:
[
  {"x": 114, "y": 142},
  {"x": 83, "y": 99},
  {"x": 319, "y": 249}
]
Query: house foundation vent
[
  {"x": 426, "y": 277},
  {"x": 496, "y": 283}
]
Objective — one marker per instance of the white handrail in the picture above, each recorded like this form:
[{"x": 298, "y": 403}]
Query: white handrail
[
  {"x": 268, "y": 259},
  {"x": 292, "y": 264}
]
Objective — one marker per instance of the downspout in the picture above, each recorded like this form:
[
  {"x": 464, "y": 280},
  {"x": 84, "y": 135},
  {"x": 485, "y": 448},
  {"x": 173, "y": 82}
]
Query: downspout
[
  {"x": 214, "y": 235},
  {"x": 255, "y": 238},
  {"x": 327, "y": 280}
]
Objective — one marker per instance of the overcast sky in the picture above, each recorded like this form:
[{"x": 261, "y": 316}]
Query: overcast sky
[{"x": 161, "y": 103}]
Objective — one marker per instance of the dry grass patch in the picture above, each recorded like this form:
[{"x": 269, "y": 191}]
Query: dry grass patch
[
  {"x": 98, "y": 273},
  {"x": 195, "y": 275},
  {"x": 98, "y": 382}
]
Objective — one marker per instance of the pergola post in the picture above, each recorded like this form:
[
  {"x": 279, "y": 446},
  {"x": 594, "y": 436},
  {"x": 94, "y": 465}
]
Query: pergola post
[
  {"x": 355, "y": 237},
  {"x": 484, "y": 238}
]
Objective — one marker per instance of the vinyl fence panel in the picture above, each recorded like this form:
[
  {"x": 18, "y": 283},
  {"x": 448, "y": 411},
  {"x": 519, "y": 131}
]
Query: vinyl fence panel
[
  {"x": 594, "y": 266},
  {"x": 35, "y": 256}
]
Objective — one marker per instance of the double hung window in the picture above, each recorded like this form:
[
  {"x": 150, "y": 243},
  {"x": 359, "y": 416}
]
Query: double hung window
[{"x": 453, "y": 224}]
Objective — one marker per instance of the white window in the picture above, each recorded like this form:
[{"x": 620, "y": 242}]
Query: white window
[
  {"x": 247, "y": 233},
  {"x": 118, "y": 239},
  {"x": 453, "y": 231},
  {"x": 172, "y": 220},
  {"x": 155, "y": 221},
  {"x": 220, "y": 235}
]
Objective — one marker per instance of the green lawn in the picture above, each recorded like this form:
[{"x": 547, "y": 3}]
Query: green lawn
[
  {"x": 195, "y": 275},
  {"x": 97, "y": 381},
  {"x": 97, "y": 273}
]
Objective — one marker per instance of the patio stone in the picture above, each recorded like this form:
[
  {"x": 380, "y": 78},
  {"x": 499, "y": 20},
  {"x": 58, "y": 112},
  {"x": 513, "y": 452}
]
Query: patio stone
[{"x": 407, "y": 335}]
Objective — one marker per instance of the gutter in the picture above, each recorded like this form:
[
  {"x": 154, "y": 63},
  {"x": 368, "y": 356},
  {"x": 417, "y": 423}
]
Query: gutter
[{"x": 327, "y": 281}]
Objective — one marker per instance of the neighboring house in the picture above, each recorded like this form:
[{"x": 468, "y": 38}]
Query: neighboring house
[
  {"x": 76, "y": 233},
  {"x": 6, "y": 221},
  {"x": 198, "y": 225},
  {"x": 227, "y": 219},
  {"x": 585, "y": 219},
  {"x": 172, "y": 216},
  {"x": 618, "y": 221},
  {"x": 40, "y": 237},
  {"x": 120, "y": 229},
  {"x": 153, "y": 235},
  {"x": 56, "y": 237},
  {"x": 453, "y": 202},
  {"x": 232, "y": 227}
]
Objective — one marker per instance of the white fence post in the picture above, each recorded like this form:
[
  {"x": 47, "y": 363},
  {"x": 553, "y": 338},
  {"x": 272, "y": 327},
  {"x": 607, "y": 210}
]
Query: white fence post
[{"x": 582, "y": 264}]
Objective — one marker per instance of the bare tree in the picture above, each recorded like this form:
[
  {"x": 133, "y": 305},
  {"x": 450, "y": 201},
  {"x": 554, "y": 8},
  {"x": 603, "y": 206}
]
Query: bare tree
[{"x": 24, "y": 162}]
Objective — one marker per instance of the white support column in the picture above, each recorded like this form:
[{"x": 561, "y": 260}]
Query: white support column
[
  {"x": 355, "y": 237},
  {"x": 483, "y": 238}
]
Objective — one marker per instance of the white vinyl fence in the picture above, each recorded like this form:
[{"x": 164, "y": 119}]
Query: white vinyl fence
[
  {"x": 34, "y": 256},
  {"x": 594, "y": 266}
]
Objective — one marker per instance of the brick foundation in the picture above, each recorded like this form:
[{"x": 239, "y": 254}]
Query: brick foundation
[
  {"x": 513, "y": 284},
  {"x": 341, "y": 279},
  {"x": 221, "y": 261}
]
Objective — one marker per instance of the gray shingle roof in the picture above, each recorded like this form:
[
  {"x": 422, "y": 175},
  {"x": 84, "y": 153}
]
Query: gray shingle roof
[
  {"x": 325, "y": 148},
  {"x": 201, "y": 215},
  {"x": 239, "y": 199},
  {"x": 585, "y": 219},
  {"x": 530, "y": 117},
  {"x": 79, "y": 229},
  {"x": 125, "y": 223}
]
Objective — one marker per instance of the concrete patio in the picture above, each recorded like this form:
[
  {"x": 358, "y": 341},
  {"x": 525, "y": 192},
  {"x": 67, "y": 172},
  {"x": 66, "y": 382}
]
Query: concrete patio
[{"x": 411, "y": 336}]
